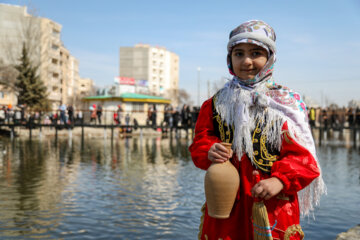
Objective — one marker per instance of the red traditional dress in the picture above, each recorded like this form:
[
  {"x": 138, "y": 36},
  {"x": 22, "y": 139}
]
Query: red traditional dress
[
  {"x": 295, "y": 167},
  {"x": 268, "y": 127}
]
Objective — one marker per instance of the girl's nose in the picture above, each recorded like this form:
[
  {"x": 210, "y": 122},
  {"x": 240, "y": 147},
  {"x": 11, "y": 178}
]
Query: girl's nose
[{"x": 247, "y": 60}]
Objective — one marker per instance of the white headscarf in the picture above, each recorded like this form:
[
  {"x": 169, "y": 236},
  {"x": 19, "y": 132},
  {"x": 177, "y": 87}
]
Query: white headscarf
[{"x": 258, "y": 33}]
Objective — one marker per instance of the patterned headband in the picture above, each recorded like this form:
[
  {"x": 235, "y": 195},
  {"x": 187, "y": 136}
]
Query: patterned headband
[{"x": 256, "y": 30}]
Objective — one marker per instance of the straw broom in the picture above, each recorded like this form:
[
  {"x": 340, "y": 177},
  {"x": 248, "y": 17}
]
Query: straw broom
[{"x": 261, "y": 224}]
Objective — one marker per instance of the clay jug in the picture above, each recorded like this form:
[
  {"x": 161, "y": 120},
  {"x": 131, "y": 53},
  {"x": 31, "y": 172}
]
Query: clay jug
[{"x": 221, "y": 185}]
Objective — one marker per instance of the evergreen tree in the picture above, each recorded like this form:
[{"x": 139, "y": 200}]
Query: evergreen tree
[{"x": 31, "y": 90}]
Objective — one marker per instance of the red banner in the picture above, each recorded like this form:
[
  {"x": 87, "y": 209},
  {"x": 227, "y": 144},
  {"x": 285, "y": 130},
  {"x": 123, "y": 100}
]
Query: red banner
[{"x": 125, "y": 80}]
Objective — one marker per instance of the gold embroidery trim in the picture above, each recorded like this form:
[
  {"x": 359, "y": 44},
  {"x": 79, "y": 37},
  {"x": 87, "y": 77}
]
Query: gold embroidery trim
[
  {"x": 292, "y": 230},
  {"x": 221, "y": 127},
  {"x": 225, "y": 136},
  {"x": 264, "y": 154},
  {"x": 287, "y": 137},
  {"x": 282, "y": 196},
  {"x": 201, "y": 221}
]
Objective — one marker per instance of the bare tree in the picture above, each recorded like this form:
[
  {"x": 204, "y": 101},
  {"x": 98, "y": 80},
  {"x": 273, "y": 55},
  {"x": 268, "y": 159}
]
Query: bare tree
[
  {"x": 8, "y": 75},
  {"x": 217, "y": 85},
  {"x": 184, "y": 97},
  {"x": 25, "y": 29},
  {"x": 353, "y": 103},
  {"x": 112, "y": 90}
]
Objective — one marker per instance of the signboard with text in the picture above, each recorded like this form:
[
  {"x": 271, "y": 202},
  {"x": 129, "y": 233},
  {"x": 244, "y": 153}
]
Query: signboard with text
[
  {"x": 124, "y": 80},
  {"x": 143, "y": 83}
]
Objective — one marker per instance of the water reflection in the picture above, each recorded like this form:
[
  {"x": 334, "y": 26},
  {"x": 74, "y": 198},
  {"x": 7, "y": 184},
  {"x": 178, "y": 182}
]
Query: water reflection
[
  {"x": 340, "y": 209},
  {"x": 135, "y": 188},
  {"x": 132, "y": 188}
]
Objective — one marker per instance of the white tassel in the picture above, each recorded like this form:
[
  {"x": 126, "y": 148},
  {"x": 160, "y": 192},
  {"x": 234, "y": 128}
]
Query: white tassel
[{"x": 243, "y": 113}]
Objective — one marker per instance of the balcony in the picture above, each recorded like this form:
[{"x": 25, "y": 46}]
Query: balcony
[
  {"x": 55, "y": 96},
  {"x": 53, "y": 53},
  {"x": 54, "y": 68}
]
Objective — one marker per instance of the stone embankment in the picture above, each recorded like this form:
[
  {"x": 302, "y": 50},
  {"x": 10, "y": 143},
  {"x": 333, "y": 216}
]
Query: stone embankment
[
  {"x": 77, "y": 131},
  {"x": 351, "y": 234}
]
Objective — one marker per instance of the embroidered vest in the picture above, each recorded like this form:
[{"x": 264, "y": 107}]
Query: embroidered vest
[{"x": 264, "y": 155}]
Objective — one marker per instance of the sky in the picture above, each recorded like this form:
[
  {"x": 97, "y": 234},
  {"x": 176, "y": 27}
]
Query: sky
[{"x": 318, "y": 42}]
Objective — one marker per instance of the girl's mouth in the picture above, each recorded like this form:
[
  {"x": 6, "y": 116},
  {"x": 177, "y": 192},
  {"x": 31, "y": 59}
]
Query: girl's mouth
[{"x": 248, "y": 70}]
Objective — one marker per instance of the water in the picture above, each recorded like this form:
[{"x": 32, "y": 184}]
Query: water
[{"x": 136, "y": 189}]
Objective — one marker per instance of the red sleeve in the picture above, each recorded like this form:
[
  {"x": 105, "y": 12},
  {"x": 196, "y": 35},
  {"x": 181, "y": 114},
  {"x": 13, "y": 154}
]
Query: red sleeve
[
  {"x": 204, "y": 136},
  {"x": 296, "y": 167}
]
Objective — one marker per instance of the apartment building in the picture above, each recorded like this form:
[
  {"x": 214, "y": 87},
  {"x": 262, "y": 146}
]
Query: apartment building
[
  {"x": 57, "y": 68},
  {"x": 7, "y": 97},
  {"x": 51, "y": 70},
  {"x": 84, "y": 86},
  {"x": 74, "y": 78},
  {"x": 156, "y": 65}
]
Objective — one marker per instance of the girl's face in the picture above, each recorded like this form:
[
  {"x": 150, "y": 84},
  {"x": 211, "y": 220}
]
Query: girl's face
[{"x": 247, "y": 60}]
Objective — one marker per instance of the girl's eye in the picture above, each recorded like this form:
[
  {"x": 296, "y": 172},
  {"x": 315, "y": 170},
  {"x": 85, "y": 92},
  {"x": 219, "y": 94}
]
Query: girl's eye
[
  {"x": 256, "y": 54},
  {"x": 239, "y": 54}
]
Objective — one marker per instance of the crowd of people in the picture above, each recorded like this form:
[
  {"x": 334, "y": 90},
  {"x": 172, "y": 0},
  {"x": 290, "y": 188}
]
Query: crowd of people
[
  {"x": 334, "y": 117},
  {"x": 13, "y": 114},
  {"x": 173, "y": 117}
]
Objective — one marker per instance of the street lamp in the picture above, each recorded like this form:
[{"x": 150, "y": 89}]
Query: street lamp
[{"x": 198, "y": 94}]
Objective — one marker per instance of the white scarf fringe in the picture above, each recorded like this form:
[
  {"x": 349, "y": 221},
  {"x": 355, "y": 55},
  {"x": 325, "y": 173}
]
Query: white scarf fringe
[{"x": 236, "y": 107}]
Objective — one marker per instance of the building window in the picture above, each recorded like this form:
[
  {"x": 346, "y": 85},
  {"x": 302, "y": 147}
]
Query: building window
[
  {"x": 54, "y": 61},
  {"x": 55, "y": 47},
  {"x": 2, "y": 95},
  {"x": 138, "y": 107},
  {"x": 55, "y": 33}
]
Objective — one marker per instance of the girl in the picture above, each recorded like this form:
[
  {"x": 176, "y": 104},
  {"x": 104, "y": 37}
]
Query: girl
[{"x": 268, "y": 128}]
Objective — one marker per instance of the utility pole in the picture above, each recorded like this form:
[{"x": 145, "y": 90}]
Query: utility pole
[{"x": 198, "y": 93}]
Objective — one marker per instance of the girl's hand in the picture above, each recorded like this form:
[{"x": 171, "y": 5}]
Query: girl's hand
[
  {"x": 219, "y": 154},
  {"x": 267, "y": 188}
]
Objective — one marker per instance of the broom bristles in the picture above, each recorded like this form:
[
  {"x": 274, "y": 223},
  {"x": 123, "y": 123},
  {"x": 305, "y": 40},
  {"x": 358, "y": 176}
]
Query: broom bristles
[{"x": 261, "y": 224}]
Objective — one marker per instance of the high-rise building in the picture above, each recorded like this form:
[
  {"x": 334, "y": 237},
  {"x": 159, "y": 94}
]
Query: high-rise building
[
  {"x": 155, "y": 65},
  {"x": 57, "y": 68}
]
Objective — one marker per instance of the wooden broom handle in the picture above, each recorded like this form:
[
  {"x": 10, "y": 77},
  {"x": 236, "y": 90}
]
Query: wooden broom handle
[{"x": 256, "y": 179}]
